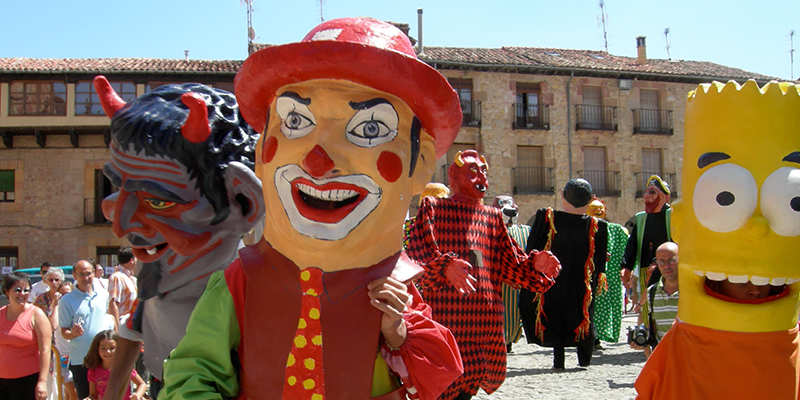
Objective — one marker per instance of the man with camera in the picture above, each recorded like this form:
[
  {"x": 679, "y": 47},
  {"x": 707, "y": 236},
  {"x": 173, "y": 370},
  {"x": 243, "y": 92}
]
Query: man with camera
[{"x": 663, "y": 299}]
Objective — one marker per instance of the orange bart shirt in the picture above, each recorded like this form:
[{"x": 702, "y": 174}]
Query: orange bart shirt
[{"x": 693, "y": 362}]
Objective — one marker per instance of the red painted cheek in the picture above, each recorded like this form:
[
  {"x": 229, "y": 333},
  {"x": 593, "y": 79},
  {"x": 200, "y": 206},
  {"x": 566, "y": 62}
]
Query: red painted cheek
[
  {"x": 269, "y": 149},
  {"x": 390, "y": 166}
]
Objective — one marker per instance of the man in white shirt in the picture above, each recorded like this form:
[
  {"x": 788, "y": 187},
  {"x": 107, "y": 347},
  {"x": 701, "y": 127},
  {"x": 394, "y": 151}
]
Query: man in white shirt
[{"x": 39, "y": 287}]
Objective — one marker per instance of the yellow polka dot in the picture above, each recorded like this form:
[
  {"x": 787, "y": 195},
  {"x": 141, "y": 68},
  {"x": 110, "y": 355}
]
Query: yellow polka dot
[
  {"x": 317, "y": 340},
  {"x": 309, "y": 363},
  {"x": 305, "y": 275},
  {"x": 311, "y": 292},
  {"x": 316, "y": 396},
  {"x": 300, "y": 342},
  {"x": 313, "y": 313},
  {"x": 309, "y": 384},
  {"x": 290, "y": 361},
  {"x": 302, "y": 324},
  {"x": 291, "y": 380}
]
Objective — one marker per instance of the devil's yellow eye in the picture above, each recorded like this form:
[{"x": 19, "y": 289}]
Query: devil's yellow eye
[{"x": 158, "y": 204}]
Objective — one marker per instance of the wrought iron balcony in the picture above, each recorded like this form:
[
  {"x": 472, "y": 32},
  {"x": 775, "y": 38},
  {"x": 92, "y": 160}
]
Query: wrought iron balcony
[
  {"x": 598, "y": 118},
  {"x": 93, "y": 212},
  {"x": 533, "y": 180},
  {"x": 657, "y": 122},
  {"x": 531, "y": 116},
  {"x": 604, "y": 183},
  {"x": 471, "y": 113},
  {"x": 641, "y": 183}
]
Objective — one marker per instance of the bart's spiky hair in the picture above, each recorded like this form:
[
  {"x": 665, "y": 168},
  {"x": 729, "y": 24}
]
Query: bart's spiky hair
[{"x": 770, "y": 90}]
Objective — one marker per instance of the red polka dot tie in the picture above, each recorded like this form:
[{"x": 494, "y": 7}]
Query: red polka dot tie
[{"x": 304, "y": 374}]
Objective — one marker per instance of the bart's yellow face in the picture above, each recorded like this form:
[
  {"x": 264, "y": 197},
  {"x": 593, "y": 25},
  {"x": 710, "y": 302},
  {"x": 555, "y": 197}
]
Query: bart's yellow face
[{"x": 739, "y": 218}]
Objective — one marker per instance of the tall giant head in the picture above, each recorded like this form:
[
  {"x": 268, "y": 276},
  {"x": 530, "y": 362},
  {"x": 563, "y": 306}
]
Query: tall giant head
[
  {"x": 182, "y": 158},
  {"x": 352, "y": 125},
  {"x": 739, "y": 219}
]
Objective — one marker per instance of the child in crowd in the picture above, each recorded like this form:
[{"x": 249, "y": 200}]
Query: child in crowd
[{"x": 98, "y": 361}]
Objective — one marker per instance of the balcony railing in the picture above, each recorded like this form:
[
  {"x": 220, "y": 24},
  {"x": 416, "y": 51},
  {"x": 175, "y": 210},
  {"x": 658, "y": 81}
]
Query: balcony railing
[
  {"x": 652, "y": 121},
  {"x": 471, "y": 112},
  {"x": 531, "y": 116},
  {"x": 641, "y": 183},
  {"x": 93, "y": 212},
  {"x": 533, "y": 180},
  {"x": 599, "y": 118},
  {"x": 604, "y": 183}
]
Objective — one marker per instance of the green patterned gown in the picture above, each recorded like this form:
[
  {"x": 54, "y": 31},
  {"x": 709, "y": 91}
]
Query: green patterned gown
[{"x": 608, "y": 311}]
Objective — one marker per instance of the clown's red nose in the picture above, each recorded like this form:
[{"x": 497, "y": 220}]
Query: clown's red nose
[{"x": 317, "y": 162}]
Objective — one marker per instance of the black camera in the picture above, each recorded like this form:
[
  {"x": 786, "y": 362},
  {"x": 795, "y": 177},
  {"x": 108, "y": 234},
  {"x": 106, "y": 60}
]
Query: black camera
[{"x": 638, "y": 334}]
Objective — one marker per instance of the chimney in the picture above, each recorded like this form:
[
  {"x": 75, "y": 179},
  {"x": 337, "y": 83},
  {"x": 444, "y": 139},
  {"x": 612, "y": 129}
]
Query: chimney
[
  {"x": 186, "y": 55},
  {"x": 641, "y": 50},
  {"x": 420, "y": 49}
]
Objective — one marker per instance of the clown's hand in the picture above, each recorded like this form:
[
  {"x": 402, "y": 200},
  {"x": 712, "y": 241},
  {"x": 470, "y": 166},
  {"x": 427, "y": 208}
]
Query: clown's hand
[
  {"x": 392, "y": 298},
  {"x": 546, "y": 263},
  {"x": 457, "y": 273}
]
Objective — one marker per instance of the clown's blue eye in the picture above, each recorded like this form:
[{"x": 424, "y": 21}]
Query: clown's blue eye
[
  {"x": 373, "y": 126},
  {"x": 296, "y": 119}
]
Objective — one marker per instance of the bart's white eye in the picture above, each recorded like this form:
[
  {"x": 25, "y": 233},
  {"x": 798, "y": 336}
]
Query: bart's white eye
[
  {"x": 373, "y": 126},
  {"x": 725, "y": 197},
  {"x": 296, "y": 119},
  {"x": 780, "y": 201}
]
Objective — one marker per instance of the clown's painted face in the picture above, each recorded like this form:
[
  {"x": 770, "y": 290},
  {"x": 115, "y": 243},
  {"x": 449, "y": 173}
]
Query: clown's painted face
[
  {"x": 166, "y": 219},
  {"x": 470, "y": 180},
  {"x": 336, "y": 165},
  {"x": 739, "y": 219}
]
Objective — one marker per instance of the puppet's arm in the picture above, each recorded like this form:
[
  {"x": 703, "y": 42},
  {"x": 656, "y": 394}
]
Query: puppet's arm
[
  {"x": 535, "y": 272},
  {"x": 424, "y": 248},
  {"x": 201, "y": 366},
  {"x": 428, "y": 361}
]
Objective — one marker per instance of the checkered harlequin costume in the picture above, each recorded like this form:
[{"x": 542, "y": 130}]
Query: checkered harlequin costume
[{"x": 447, "y": 229}]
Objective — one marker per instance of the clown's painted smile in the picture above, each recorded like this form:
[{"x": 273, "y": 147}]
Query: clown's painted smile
[{"x": 326, "y": 209}]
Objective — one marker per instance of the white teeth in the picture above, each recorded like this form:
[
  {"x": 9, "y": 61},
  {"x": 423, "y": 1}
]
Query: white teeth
[
  {"x": 759, "y": 280},
  {"x": 777, "y": 281},
  {"x": 738, "y": 278},
  {"x": 152, "y": 251},
  {"x": 756, "y": 280},
  {"x": 328, "y": 195},
  {"x": 715, "y": 276}
]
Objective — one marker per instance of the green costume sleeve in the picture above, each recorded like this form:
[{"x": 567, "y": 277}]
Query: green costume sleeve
[{"x": 201, "y": 366}]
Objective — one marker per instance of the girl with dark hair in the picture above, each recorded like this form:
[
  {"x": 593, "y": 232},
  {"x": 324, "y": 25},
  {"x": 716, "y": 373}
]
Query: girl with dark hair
[{"x": 98, "y": 361}]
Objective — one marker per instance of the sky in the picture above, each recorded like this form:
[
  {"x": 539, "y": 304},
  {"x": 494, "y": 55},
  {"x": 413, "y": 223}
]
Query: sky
[{"x": 751, "y": 35}]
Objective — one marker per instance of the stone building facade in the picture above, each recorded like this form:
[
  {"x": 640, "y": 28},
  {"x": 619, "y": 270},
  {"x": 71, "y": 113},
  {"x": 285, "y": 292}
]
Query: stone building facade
[{"x": 540, "y": 116}]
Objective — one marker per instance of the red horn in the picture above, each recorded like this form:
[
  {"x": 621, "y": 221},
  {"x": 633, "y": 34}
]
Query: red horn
[
  {"x": 196, "y": 128},
  {"x": 109, "y": 99}
]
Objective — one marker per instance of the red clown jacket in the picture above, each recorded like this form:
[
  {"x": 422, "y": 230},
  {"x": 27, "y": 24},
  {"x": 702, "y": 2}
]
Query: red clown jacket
[{"x": 446, "y": 228}]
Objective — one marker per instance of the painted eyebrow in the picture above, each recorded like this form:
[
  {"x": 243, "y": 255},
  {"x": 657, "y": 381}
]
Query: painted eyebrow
[
  {"x": 296, "y": 97},
  {"x": 710, "y": 158},
  {"x": 793, "y": 157},
  {"x": 363, "y": 105},
  {"x": 133, "y": 185}
]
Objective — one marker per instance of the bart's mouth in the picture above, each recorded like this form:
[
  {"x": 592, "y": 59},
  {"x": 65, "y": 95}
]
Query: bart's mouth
[
  {"x": 756, "y": 280},
  {"x": 777, "y": 287}
]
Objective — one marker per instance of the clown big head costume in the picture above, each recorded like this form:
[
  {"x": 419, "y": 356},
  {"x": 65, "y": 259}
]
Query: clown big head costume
[
  {"x": 738, "y": 224},
  {"x": 323, "y": 307}
]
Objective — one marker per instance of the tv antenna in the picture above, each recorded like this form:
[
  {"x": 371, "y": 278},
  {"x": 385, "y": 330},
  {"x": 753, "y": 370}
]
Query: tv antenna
[
  {"x": 321, "y": 3},
  {"x": 666, "y": 38},
  {"x": 603, "y": 20},
  {"x": 251, "y": 33},
  {"x": 791, "y": 54}
]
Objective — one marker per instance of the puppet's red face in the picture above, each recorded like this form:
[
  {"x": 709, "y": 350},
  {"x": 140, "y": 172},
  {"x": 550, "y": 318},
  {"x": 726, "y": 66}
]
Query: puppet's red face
[
  {"x": 654, "y": 199},
  {"x": 470, "y": 180}
]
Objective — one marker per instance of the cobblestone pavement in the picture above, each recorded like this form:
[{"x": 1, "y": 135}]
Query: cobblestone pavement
[{"x": 611, "y": 375}]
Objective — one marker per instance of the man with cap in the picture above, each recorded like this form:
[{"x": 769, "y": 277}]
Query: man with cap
[
  {"x": 651, "y": 229},
  {"x": 323, "y": 307},
  {"x": 562, "y": 316},
  {"x": 468, "y": 254}
]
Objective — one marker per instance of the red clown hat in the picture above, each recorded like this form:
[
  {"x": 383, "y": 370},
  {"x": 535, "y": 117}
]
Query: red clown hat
[{"x": 361, "y": 50}]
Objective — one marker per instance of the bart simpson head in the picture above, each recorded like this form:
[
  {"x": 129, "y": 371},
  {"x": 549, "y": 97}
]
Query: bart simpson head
[{"x": 739, "y": 219}]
